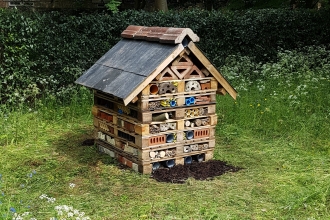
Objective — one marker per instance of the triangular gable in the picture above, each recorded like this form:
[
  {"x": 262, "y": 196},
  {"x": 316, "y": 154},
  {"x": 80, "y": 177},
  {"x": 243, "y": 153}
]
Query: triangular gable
[
  {"x": 194, "y": 73},
  {"x": 166, "y": 74},
  {"x": 181, "y": 71},
  {"x": 183, "y": 60},
  {"x": 214, "y": 72}
]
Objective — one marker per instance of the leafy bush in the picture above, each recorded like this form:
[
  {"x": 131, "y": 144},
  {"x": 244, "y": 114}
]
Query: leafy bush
[{"x": 43, "y": 53}]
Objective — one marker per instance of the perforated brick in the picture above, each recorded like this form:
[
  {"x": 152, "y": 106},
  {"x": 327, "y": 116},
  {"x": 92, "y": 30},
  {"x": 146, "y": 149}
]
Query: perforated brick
[
  {"x": 201, "y": 133},
  {"x": 157, "y": 140}
]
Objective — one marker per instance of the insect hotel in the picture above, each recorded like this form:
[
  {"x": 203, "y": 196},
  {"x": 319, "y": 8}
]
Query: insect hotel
[{"x": 155, "y": 99}]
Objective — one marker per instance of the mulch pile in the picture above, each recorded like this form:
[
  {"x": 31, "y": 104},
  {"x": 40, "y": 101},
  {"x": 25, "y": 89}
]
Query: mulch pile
[
  {"x": 180, "y": 173},
  {"x": 199, "y": 171}
]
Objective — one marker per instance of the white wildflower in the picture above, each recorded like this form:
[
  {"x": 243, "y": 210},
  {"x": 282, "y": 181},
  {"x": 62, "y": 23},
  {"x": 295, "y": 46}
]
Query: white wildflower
[
  {"x": 51, "y": 200},
  {"x": 81, "y": 214},
  {"x": 25, "y": 214},
  {"x": 72, "y": 185},
  {"x": 58, "y": 208},
  {"x": 43, "y": 196}
]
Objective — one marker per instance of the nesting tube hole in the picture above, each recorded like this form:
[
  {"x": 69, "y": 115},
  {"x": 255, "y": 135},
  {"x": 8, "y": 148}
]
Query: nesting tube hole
[
  {"x": 153, "y": 89},
  {"x": 155, "y": 166},
  {"x": 169, "y": 138},
  {"x": 188, "y": 160},
  {"x": 189, "y": 135},
  {"x": 170, "y": 163}
]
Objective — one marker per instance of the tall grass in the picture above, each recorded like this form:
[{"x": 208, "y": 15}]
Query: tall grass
[{"x": 277, "y": 130}]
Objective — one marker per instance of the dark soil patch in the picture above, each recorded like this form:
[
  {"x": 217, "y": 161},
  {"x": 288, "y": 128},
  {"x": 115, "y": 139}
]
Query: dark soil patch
[
  {"x": 88, "y": 142},
  {"x": 199, "y": 171}
]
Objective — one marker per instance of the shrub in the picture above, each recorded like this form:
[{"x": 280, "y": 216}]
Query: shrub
[{"x": 43, "y": 53}]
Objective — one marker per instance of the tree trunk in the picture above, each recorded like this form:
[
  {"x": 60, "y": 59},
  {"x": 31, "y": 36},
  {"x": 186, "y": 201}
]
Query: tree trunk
[
  {"x": 161, "y": 5},
  {"x": 139, "y": 4},
  {"x": 209, "y": 5}
]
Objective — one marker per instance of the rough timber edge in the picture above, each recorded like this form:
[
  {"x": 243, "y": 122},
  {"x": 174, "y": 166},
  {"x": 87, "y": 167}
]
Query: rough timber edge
[
  {"x": 161, "y": 34},
  {"x": 153, "y": 75},
  {"x": 196, "y": 51}
]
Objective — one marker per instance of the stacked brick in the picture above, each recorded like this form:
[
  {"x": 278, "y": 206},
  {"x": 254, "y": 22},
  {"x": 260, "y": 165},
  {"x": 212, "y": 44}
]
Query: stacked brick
[{"x": 172, "y": 121}]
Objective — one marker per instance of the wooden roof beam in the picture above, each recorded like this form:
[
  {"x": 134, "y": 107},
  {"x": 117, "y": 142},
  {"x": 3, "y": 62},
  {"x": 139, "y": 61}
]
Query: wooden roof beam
[{"x": 215, "y": 73}]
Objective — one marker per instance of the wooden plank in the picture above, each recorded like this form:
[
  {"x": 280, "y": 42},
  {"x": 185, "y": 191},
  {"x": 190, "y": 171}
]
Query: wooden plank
[
  {"x": 146, "y": 166},
  {"x": 207, "y": 64},
  {"x": 153, "y": 75}
]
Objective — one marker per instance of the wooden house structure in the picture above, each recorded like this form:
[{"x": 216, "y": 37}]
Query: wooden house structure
[{"x": 155, "y": 99}]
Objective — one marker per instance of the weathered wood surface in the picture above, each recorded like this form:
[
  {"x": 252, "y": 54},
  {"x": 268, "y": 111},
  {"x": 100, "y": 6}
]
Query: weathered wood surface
[{"x": 124, "y": 69}]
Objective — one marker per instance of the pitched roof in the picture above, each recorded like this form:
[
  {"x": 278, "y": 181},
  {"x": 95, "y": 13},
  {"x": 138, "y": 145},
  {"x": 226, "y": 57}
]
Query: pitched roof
[
  {"x": 125, "y": 66},
  {"x": 128, "y": 67}
]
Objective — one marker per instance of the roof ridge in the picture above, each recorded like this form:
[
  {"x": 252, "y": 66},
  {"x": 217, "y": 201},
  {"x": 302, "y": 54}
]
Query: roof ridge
[{"x": 169, "y": 35}]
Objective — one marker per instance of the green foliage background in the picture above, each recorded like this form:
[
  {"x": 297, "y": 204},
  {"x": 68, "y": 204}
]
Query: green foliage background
[{"x": 43, "y": 53}]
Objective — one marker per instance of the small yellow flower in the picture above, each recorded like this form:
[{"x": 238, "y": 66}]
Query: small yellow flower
[
  {"x": 261, "y": 112},
  {"x": 258, "y": 104}
]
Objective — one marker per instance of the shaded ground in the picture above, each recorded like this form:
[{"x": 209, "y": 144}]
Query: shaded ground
[
  {"x": 180, "y": 173},
  {"x": 199, "y": 171}
]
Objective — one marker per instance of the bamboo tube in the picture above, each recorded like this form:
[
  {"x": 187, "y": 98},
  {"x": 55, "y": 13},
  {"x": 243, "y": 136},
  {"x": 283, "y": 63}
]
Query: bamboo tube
[{"x": 187, "y": 123}]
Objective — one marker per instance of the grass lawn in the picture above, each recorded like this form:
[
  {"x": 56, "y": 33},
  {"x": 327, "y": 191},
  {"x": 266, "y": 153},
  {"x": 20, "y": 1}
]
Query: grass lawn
[{"x": 277, "y": 131}]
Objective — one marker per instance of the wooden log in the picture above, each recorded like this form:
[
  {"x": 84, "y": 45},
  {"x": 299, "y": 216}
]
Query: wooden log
[
  {"x": 161, "y": 117},
  {"x": 198, "y": 122},
  {"x": 162, "y": 154},
  {"x": 152, "y": 154}
]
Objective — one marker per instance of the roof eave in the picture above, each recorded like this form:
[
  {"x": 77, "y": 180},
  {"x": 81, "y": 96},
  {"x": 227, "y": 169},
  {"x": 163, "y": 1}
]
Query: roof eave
[{"x": 210, "y": 67}]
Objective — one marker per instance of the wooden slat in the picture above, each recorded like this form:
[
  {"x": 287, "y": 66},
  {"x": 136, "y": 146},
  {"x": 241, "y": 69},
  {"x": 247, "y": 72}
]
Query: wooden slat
[{"x": 232, "y": 92}]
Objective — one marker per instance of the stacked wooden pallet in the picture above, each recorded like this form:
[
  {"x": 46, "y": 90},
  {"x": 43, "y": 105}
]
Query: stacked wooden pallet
[
  {"x": 173, "y": 121},
  {"x": 155, "y": 99}
]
